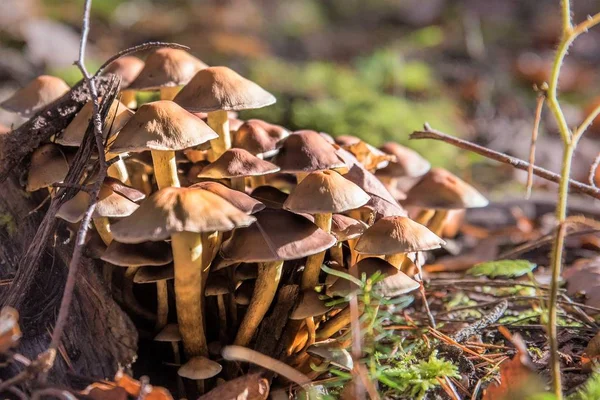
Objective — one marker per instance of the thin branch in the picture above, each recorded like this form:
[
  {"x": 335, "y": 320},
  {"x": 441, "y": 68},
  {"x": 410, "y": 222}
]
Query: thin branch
[
  {"x": 587, "y": 122},
  {"x": 534, "y": 136},
  {"x": 429, "y": 133},
  {"x": 594, "y": 171}
]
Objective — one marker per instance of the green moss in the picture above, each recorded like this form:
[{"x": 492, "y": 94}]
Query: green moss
[{"x": 8, "y": 223}]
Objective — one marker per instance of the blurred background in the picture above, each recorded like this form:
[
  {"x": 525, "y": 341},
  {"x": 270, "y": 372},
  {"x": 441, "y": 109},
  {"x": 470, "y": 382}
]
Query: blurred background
[{"x": 377, "y": 69}]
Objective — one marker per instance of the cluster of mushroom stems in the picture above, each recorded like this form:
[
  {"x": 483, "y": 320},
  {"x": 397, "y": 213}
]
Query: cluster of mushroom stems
[{"x": 202, "y": 204}]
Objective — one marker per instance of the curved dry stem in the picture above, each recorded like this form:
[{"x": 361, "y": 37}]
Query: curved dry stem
[
  {"x": 310, "y": 276},
  {"x": 269, "y": 275},
  {"x": 165, "y": 169},
  {"x": 219, "y": 122},
  {"x": 187, "y": 258}
]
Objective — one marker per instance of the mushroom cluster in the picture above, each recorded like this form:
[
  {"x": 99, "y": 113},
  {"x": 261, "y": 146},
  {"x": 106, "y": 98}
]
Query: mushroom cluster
[{"x": 216, "y": 214}]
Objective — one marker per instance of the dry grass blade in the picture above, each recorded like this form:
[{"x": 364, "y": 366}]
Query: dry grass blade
[{"x": 534, "y": 136}]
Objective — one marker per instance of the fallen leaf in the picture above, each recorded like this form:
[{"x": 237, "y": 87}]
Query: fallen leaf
[
  {"x": 248, "y": 387},
  {"x": 504, "y": 268}
]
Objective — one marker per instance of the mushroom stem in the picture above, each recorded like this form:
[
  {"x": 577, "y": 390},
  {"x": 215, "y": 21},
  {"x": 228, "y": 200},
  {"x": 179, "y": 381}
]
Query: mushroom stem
[
  {"x": 395, "y": 259},
  {"x": 310, "y": 277},
  {"x": 162, "y": 307},
  {"x": 331, "y": 327},
  {"x": 165, "y": 168},
  {"x": 117, "y": 169},
  {"x": 437, "y": 222},
  {"x": 102, "y": 225},
  {"x": 310, "y": 326},
  {"x": 337, "y": 253},
  {"x": 219, "y": 122},
  {"x": 424, "y": 216},
  {"x": 300, "y": 176},
  {"x": 266, "y": 286},
  {"x": 129, "y": 299},
  {"x": 238, "y": 184},
  {"x": 187, "y": 258},
  {"x": 299, "y": 341},
  {"x": 256, "y": 181},
  {"x": 169, "y": 93},
  {"x": 222, "y": 318},
  {"x": 128, "y": 98}
]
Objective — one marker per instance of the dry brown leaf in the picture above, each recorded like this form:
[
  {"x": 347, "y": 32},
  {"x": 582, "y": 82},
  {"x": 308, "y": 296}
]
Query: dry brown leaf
[
  {"x": 133, "y": 386},
  {"x": 583, "y": 278},
  {"x": 591, "y": 355},
  {"x": 248, "y": 387},
  {"x": 370, "y": 157}
]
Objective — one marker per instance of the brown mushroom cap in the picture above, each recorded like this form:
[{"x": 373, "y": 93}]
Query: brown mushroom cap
[
  {"x": 48, "y": 166},
  {"x": 175, "y": 209},
  {"x": 251, "y": 387},
  {"x": 440, "y": 189},
  {"x": 307, "y": 151},
  {"x": 4, "y": 129},
  {"x": 408, "y": 162},
  {"x": 368, "y": 267},
  {"x": 199, "y": 368},
  {"x": 346, "y": 228},
  {"x": 36, "y": 95},
  {"x": 239, "y": 199},
  {"x": 137, "y": 255},
  {"x": 393, "y": 235},
  {"x": 332, "y": 351},
  {"x": 325, "y": 192},
  {"x": 310, "y": 305},
  {"x": 111, "y": 204},
  {"x": 396, "y": 285},
  {"x": 245, "y": 271},
  {"x": 162, "y": 125},
  {"x": 169, "y": 333},
  {"x": 167, "y": 68},
  {"x": 236, "y": 163},
  {"x": 216, "y": 284},
  {"x": 117, "y": 117},
  {"x": 127, "y": 68},
  {"x": 259, "y": 137},
  {"x": 276, "y": 235},
  {"x": 152, "y": 274},
  {"x": 220, "y": 88},
  {"x": 243, "y": 293},
  {"x": 270, "y": 196}
]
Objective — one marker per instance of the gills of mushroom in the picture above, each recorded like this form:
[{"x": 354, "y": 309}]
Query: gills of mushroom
[
  {"x": 102, "y": 225},
  {"x": 269, "y": 275},
  {"x": 187, "y": 258},
  {"x": 219, "y": 122},
  {"x": 310, "y": 276}
]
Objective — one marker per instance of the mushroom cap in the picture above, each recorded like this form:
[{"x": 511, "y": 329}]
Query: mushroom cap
[
  {"x": 310, "y": 305},
  {"x": 243, "y": 293},
  {"x": 117, "y": 117},
  {"x": 111, "y": 204},
  {"x": 251, "y": 387},
  {"x": 152, "y": 274},
  {"x": 171, "y": 210},
  {"x": 199, "y": 368},
  {"x": 127, "y": 68},
  {"x": 396, "y": 285},
  {"x": 259, "y": 137},
  {"x": 332, "y": 351},
  {"x": 36, "y": 95},
  {"x": 239, "y": 199},
  {"x": 393, "y": 235},
  {"x": 4, "y": 129},
  {"x": 408, "y": 162},
  {"x": 167, "y": 67},
  {"x": 48, "y": 166},
  {"x": 221, "y": 88},
  {"x": 169, "y": 333},
  {"x": 270, "y": 196},
  {"x": 440, "y": 189},
  {"x": 346, "y": 228},
  {"x": 216, "y": 285},
  {"x": 162, "y": 125},
  {"x": 276, "y": 235},
  {"x": 245, "y": 271},
  {"x": 325, "y": 192},
  {"x": 307, "y": 151},
  {"x": 137, "y": 255},
  {"x": 236, "y": 163}
]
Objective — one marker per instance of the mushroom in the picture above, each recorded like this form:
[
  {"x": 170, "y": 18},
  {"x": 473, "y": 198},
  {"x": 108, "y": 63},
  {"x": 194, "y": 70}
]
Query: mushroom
[
  {"x": 344, "y": 229},
  {"x": 277, "y": 236},
  {"x": 167, "y": 70},
  {"x": 199, "y": 368},
  {"x": 310, "y": 305},
  {"x": 236, "y": 165},
  {"x": 127, "y": 68},
  {"x": 117, "y": 117},
  {"x": 243, "y": 293},
  {"x": 270, "y": 196},
  {"x": 259, "y": 137},
  {"x": 322, "y": 193},
  {"x": 239, "y": 199},
  {"x": 245, "y": 271},
  {"x": 306, "y": 151},
  {"x": 162, "y": 127},
  {"x": 170, "y": 334},
  {"x": 396, "y": 236},
  {"x": 48, "y": 166},
  {"x": 407, "y": 168},
  {"x": 332, "y": 352},
  {"x": 182, "y": 214},
  {"x": 369, "y": 156},
  {"x": 218, "y": 286},
  {"x": 216, "y": 90},
  {"x": 36, "y": 95},
  {"x": 441, "y": 191}
]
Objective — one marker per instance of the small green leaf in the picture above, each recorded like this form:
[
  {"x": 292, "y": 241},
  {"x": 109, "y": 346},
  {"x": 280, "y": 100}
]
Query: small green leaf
[{"x": 504, "y": 268}]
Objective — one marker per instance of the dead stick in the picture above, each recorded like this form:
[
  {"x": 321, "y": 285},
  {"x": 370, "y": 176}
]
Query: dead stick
[{"x": 429, "y": 133}]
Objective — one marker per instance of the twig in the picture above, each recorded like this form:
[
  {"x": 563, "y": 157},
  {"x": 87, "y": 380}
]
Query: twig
[
  {"x": 534, "y": 136},
  {"x": 594, "y": 171},
  {"x": 429, "y": 133},
  {"x": 138, "y": 48}
]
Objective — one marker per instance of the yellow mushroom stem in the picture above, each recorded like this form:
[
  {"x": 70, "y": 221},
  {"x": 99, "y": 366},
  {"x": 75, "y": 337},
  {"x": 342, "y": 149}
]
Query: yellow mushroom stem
[
  {"x": 222, "y": 311},
  {"x": 128, "y": 98},
  {"x": 219, "y": 122},
  {"x": 162, "y": 304},
  {"x": 165, "y": 168},
  {"x": 438, "y": 221},
  {"x": 337, "y": 253},
  {"x": 310, "y": 326},
  {"x": 102, "y": 225},
  {"x": 299, "y": 341},
  {"x": 256, "y": 181},
  {"x": 238, "y": 183},
  {"x": 117, "y": 170},
  {"x": 408, "y": 267},
  {"x": 335, "y": 324},
  {"x": 187, "y": 259},
  {"x": 310, "y": 276},
  {"x": 300, "y": 176},
  {"x": 395, "y": 259},
  {"x": 169, "y": 93},
  {"x": 269, "y": 275},
  {"x": 424, "y": 216}
]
